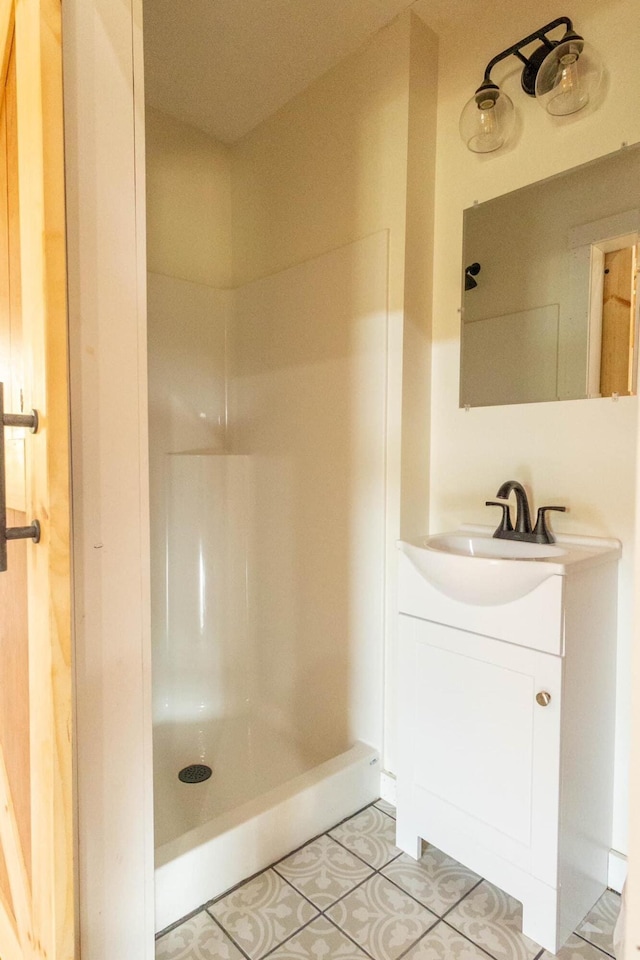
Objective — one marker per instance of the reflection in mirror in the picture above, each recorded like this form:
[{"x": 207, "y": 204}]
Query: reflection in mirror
[{"x": 550, "y": 275}]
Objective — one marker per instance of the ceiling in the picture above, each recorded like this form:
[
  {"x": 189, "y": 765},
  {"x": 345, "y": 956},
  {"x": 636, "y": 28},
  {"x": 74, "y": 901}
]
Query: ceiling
[{"x": 226, "y": 65}]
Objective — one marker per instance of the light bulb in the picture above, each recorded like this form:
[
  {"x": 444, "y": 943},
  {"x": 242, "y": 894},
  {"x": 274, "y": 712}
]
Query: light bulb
[
  {"x": 487, "y": 119},
  {"x": 568, "y": 77},
  {"x": 488, "y": 127},
  {"x": 567, "y": 96}
]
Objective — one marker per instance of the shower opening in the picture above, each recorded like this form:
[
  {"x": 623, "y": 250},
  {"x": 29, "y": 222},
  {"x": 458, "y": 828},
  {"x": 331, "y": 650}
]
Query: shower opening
[{"x": 268, "y": 345}]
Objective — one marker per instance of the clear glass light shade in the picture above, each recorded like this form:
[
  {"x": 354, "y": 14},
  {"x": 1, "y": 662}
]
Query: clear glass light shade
[
  {"x": 487, "y": 121},
  {"x": 568, "y": 78}
]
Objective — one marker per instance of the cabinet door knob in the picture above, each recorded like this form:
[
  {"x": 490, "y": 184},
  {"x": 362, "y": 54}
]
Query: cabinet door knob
[{"x": 543, "y": 698}]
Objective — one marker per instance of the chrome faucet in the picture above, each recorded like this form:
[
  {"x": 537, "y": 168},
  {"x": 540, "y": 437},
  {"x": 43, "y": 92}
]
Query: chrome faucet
[{"x": 522, "y": 530}]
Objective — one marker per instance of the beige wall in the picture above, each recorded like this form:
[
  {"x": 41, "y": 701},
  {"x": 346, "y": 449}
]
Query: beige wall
[
  {"x": 329, "y": 167},
  {"x": 580, "y": 453},
  {"x": 413, "y": 428},
  {"x": 188, "y": 202}
]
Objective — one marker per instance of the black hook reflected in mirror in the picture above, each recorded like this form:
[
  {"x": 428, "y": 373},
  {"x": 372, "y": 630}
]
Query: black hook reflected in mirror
[{"x": 469, "y": 273}]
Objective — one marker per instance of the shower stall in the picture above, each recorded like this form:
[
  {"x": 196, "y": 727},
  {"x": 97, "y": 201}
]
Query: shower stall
[
  {"x": 267, "y": 461},
  {"x": 288, "y": 310}
]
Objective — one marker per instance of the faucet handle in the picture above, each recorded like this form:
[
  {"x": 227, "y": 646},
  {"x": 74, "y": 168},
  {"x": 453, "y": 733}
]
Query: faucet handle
[
  {"x": 505, "y": 525},
  {"x": 541, "y": 532}
]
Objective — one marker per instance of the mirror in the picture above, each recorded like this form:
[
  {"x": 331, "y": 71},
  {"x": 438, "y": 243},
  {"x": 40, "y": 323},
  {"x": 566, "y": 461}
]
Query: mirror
[{"x": 550, "y": 276}]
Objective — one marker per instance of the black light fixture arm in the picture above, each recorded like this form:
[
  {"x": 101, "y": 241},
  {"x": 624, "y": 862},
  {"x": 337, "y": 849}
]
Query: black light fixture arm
[
  {"x": 557, "y": 69},
  {"x": 516, "y": 48}
]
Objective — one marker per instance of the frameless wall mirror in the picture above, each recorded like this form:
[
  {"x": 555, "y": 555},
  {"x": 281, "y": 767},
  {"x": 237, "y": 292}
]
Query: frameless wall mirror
[{"x": 550, "y": 278}]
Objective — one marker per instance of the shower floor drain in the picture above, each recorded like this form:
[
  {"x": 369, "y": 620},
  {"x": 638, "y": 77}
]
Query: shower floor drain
[{"x": 195, "y": 773}]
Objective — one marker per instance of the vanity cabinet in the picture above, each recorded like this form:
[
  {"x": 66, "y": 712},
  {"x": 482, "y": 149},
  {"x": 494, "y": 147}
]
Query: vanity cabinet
[{"x": 506, "y": 724}]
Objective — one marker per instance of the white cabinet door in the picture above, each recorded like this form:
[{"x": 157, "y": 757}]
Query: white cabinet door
[{"x": 481, "y": 760}]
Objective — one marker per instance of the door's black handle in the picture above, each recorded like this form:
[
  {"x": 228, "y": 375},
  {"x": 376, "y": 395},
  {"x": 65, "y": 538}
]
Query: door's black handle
[{"x": 32, "y": 532}]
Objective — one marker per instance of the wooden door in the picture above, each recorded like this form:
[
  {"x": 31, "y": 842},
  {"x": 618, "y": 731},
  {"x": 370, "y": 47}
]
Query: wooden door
[
  {"x": 36, "y": 821},
  {"x": 618, "y": 322}
]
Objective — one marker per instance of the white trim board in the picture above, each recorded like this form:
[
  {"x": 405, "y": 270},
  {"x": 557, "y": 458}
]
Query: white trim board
[
  {"x": 388, "y": 787},
  {"x": 617, "y": 870}
]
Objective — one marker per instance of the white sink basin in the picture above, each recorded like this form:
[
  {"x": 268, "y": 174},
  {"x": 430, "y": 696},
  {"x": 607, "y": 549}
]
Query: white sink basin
[
  {"x": 471, "y": 566},
  {"x": 470, "y": 545}
]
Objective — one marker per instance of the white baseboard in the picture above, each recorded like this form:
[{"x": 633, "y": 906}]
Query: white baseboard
[
  {"x": 388, "y": 787},
  {"x": 617, "y": 870}
]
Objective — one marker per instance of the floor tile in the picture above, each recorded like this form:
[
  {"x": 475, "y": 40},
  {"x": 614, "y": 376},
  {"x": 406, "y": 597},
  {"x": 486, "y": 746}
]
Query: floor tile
[
  {"x": 320, "y": 940},
  {"x": 436, "y": 880},
  {"x": 323, "y": 871},
  {"x": 444, "y": 943},
  {"x": 197, "y": 939},
  {"x": 386, "y": 807},
  {"x": 597, "y": 927},
  {"x": 390, "y": 915},
  {"x": 575, "y": 949},
  {"x": 381, "y": 918},
  {"x": 371, "y": 835},
  {"x": 493, "y": 920},
  {"x": 262, "y": 913}
]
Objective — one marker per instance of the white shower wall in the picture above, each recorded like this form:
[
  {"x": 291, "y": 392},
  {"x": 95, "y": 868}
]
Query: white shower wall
[
  {"x": 187, "y": 411},
  {"x": 206, "y": 645},
  {"x": 308, "y": 405},
  {"x": 267, "y": 425}
]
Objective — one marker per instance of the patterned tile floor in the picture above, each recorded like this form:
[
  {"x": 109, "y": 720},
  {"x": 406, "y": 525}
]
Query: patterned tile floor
[{"x": 352, "y": 895}]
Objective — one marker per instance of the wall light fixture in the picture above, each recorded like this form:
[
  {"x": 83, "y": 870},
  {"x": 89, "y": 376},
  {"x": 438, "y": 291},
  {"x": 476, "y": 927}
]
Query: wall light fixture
[{"x": 563, "y": 74}]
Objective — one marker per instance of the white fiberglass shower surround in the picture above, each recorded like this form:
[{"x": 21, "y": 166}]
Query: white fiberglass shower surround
[
  {"x": 288, "y": 311},
  {"x": 267, "y": 455}
]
